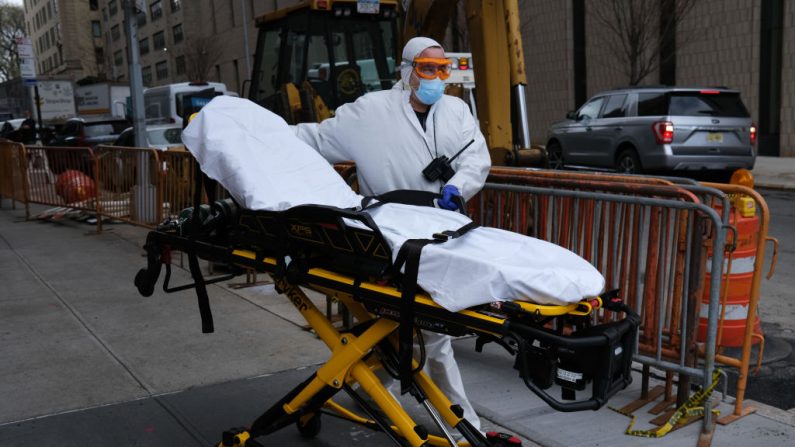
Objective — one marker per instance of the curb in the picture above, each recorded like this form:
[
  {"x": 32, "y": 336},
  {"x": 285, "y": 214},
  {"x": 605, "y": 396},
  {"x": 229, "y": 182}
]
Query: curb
[{"x": 773, "y": 186}]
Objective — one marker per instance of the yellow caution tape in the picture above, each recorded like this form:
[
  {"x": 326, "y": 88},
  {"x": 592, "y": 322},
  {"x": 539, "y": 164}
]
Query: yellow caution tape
[{"x": 693, "y": 407}]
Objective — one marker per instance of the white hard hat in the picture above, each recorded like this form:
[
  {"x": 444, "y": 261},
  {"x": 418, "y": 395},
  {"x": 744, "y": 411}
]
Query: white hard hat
[{"x": 413, "y": 48}]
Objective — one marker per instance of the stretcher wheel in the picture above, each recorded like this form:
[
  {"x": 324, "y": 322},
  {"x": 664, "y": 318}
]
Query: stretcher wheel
[
  {"x": 144, "y": 283},
  {"x": 309, "y": 428}
]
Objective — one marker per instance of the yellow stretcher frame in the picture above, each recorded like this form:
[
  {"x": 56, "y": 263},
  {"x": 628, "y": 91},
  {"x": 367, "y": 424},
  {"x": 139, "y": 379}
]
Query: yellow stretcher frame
[
  {"x": 347, "y": 364},
  {"x": 351, "y": 360}
]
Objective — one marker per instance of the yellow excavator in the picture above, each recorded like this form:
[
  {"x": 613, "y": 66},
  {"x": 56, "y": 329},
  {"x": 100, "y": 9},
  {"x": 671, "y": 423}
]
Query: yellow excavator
[{"x": 319, "y": 54}]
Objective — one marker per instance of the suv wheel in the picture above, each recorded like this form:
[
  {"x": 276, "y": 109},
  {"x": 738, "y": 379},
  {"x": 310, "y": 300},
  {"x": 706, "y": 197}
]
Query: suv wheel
[
  {"x": 628, "y": 162},
  {"x": 554, "y": 156}
]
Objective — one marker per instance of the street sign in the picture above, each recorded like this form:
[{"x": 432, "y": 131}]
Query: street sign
[
  {"x": 27, "y": 61},
  {"x": 24, "y": 47},
  {"x": 368, "y": 6},
  {"x": 27, "y": 69}
]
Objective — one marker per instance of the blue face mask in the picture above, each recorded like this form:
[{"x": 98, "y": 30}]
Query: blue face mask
[{"x": 430, "y": 90}]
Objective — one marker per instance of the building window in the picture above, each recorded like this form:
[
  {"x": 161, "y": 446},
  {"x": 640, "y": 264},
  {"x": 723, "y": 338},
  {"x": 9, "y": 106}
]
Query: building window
[
  {"x": 178, "y": 33},
  {"x": 93, "y": 4},
  {"x": 99, "y": 55},
  {"x": 143, "y": 46},
  {"x": 175, "y": 5},
  {"x": 141, "y": 17},
  {"x": 159, "y": 40},
  {"x": 155, "y": 10},
  {"x": 115, "y": 33},
  {"x": 113, "y": 7},
  {"x": 96, "y": 28},
  {"x": 117, "y": 58},
  {"x": 179, "y": 64},
  {"x": 162, "y": 70},
  {"x": 146, "y": 74}
]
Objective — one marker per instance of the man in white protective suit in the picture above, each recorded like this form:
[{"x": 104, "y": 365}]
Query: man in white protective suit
[{"x": 392, "y": 136}]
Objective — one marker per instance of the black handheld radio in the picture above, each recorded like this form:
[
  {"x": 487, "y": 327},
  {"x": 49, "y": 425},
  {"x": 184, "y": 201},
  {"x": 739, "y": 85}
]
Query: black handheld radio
[{"x": 440, "y": 166}]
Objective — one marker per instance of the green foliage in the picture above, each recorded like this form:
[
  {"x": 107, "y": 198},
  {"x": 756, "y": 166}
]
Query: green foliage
[{"x": 12, "y": 25}]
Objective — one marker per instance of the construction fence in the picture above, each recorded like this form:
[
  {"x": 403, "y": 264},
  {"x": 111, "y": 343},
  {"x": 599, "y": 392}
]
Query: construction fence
[{"x": 667, "y": 244}]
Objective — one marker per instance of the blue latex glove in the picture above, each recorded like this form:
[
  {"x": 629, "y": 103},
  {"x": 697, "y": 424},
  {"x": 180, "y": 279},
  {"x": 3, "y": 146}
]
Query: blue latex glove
[{"x": 449, "y": 194}]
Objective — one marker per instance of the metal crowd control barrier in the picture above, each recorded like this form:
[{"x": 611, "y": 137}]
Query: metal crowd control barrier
[
  {"x": 143, "y": 186},
  {"x": 644, "y": 235},
  {"x": 130, "y": 184},
  {"x": 12, "y": 167},
  {"x": 743, "y": 363}
]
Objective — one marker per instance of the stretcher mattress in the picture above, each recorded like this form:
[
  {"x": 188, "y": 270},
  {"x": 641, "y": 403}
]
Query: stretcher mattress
[{"x": 256, "y": 156}]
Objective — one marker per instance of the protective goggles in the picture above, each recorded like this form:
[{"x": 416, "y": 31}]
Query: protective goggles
[{"x": 431, "y": 67}]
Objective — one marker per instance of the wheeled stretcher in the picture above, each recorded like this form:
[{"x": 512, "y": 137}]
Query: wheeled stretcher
[
  {"x": 386, "y": 271},
  {"x": 341, "y": 253}
]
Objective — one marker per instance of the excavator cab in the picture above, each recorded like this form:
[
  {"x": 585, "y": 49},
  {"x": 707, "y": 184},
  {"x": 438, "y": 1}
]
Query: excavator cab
[{"x": 319, "y": 55}]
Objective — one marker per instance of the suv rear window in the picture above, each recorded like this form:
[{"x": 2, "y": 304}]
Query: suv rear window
[
  {"x": 722, "y": 104},
  {"x": 707, "y": 104},
  {"x": 652, "y": 104}
]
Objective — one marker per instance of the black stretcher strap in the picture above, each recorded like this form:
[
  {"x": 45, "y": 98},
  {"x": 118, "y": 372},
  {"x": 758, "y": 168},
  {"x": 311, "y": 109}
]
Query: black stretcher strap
[
  {"x": 410, "y": 254},
  {"x": 201, "y": 294},
  {"x": 193, "y": 261}
]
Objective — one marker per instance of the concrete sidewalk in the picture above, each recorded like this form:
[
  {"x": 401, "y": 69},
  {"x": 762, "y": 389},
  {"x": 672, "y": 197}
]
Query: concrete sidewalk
[
  {"x": 775, "y": 172},
  {"x": 85, "y": 360}
]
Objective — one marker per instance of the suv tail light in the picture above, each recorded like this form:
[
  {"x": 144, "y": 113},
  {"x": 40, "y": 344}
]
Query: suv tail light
[
  {"x": 752, "y": 131},
  {"x": 663, "y": 132}
]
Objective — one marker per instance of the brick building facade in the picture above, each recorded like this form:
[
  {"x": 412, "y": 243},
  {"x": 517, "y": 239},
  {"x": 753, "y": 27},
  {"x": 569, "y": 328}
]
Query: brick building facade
[{"x": 66, "y": 37}]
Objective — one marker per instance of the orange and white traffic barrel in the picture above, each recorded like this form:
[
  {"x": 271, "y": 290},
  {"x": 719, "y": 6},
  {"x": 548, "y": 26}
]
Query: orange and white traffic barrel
[{"x": 737, "y": 280}]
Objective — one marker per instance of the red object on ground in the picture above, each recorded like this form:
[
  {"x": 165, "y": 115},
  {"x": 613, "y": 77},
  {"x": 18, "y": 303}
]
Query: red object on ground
[
  {"x": 503, "y": 439},
  {"x": 74, "y": 186}
]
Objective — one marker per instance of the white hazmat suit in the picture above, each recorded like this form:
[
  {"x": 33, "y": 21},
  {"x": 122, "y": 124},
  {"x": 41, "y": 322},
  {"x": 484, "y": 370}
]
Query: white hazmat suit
[{"x": 382, "y": 134}]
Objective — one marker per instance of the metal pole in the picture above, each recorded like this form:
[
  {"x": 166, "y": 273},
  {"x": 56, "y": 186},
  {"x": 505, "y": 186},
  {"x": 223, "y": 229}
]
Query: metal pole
[
  {"x": 143, "y": 192},
  {"x": 136, "y": 80},
  {"x": 245, "y": 38},
  {"x": 524, "y": 125},
  {"x": 37, "y": 98}
]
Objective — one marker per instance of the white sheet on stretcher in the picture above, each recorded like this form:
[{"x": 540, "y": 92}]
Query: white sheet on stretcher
[{"x": 264, "y": 166}]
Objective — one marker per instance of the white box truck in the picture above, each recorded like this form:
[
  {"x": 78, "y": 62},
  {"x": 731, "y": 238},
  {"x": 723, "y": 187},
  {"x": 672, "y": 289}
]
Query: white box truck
[
  {"x": 163, "y": 103},
  {"x": 57, "y": 100},
  {"x": 104, "y": 99}
]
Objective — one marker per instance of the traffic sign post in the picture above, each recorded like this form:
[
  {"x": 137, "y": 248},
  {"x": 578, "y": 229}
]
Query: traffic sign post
[{"x": 27, "y": 71}]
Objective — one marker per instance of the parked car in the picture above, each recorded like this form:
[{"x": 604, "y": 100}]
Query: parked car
[
  {"x": 653, "y": 129},
  {"x": 163, "y": 137},
  {"x": 14, "y": 130},
  {"x": 82, "y": 132}
]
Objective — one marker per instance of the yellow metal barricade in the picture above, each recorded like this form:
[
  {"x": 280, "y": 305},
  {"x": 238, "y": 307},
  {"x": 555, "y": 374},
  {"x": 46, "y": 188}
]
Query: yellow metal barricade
[
  {"x": 177, "y": 180},
  {"x": 12, "y": 167},
  {"x": 129, "y": 179}
]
